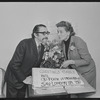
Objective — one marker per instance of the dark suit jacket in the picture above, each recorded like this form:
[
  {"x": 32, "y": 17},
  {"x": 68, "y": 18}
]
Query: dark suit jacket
[{"x": 22, "y": 62}]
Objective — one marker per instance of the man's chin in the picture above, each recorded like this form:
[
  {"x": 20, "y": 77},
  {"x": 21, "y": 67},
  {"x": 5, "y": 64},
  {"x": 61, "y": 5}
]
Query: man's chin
[{"x": 43, "y": 43}]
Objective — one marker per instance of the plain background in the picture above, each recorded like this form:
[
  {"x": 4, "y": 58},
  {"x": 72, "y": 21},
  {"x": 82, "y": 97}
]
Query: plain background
[{"x": 17, "y": 20}]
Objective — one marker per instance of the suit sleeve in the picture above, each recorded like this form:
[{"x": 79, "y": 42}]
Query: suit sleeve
[
  {"x": 15, "y": 64},
  {"x": 83, "y": 52}
]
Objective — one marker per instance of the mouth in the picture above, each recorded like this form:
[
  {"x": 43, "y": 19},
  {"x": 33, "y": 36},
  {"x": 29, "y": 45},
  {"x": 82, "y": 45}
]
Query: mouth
[{"x": 46, "y": 38}]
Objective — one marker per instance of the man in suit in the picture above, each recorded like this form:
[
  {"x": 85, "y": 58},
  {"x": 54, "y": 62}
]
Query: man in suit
[{"x": 26, "y": 56}]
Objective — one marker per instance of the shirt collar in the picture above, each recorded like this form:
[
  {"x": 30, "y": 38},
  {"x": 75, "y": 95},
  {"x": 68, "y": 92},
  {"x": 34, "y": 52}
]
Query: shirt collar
[{"x": 37, "y": 42}]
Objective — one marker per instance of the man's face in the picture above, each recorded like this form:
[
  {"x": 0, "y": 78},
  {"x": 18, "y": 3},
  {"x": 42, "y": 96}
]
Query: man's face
[{"x": 42, "y": 35}]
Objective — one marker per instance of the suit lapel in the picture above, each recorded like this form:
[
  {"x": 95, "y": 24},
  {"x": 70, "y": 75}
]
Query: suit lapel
[
  {"x": 69, "y": 47},
  {"x": 34, "y": 48},
  {"x": 35, "y": 53},
  {"x": 41, "y": 52}
]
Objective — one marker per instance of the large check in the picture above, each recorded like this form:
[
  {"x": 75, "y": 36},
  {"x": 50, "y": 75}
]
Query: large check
[
  {"x": 46, "y": 77},
  {"x": 46, "y": 81}
]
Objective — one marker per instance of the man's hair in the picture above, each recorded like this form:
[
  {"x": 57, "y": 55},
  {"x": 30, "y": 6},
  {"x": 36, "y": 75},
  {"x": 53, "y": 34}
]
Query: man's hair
[
  {"x": 68, "y": 27},
  {"x": 36, "y": 29}
]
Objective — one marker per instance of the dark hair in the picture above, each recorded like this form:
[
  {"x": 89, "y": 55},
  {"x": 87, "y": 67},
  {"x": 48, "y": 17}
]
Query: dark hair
[
  {"x": 67, "y": 26},
  {"x": 36, "y": 29}
]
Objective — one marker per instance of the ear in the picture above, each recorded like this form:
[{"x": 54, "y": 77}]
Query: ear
[{"x": 35, "y": 35}]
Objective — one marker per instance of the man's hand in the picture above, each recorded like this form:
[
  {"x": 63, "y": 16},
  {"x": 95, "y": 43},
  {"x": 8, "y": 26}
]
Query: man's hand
[
  {"x": 28, "y": 80},
  {"x": 67, "y": 63}
]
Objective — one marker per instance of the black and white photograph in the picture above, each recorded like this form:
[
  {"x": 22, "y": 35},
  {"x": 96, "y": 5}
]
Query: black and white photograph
[{"x": 49, "y": 50}]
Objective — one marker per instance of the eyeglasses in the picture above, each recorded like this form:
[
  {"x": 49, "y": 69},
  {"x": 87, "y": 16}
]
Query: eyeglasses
[{"x": 44, "y": 33}]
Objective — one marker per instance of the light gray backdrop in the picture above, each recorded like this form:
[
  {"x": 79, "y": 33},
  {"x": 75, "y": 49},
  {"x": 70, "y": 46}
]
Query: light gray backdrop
[{"x": 17, "y": 20}]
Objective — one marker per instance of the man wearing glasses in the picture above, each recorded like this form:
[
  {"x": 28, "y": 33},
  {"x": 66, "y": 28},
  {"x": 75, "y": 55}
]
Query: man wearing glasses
[{"x": 26, "y": 56}]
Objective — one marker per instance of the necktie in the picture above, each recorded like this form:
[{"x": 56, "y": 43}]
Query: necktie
[{"x": 39, "y": 51}]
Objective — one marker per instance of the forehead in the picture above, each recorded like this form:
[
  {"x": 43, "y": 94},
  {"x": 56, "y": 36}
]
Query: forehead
[
  {"x": 61, "y": 28},
  {"x": 42, "y": 29}
]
